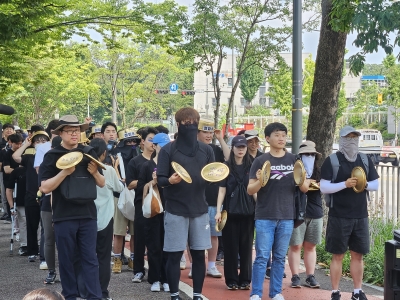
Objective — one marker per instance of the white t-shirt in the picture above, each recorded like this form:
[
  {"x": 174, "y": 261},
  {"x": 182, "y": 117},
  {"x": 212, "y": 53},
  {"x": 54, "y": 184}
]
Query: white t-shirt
[{"x": 41, "y": 150}]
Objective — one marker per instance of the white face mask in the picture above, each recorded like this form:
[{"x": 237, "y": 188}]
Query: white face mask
[
  {"x": 349, "y": 148},
  {"x": 308, "y": 161}
]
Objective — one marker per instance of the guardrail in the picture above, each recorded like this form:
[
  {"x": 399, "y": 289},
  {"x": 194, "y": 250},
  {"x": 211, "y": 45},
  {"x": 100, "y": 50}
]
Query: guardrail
[{"x": 385, "y": 202}]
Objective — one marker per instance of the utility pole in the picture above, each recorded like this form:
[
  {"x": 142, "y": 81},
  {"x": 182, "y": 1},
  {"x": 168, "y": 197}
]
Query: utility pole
[
  {"x": 297, "y": 105},
  {"x": 233, "y": 100},
  {"x": 207, "y": 106}
]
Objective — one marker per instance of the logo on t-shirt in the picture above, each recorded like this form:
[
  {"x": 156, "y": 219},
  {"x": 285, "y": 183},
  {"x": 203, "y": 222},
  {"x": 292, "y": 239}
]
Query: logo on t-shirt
[{"x": 276, "y": 171}]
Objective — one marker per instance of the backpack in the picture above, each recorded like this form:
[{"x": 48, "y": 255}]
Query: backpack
[
  {"x": 80, "y": 186},
  {"x": 240, "y": 202},
  {"x": 335, "y": 169}
]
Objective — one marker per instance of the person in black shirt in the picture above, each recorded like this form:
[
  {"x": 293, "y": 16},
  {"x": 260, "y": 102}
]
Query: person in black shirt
[
  {"x": 205, "y": 135},
  {"x": 132, "y": 176},
  {"x": 154, "y": 227},
  {"x": 25, "y": 156},
  {"x": 253, "y": 143},
  {"x": 348, "y": 225},
  {"x": 309, "y": 233},
  {"x": 8, "y": 129},
  {"x": 75, "y": 224},
  {"x": 238, "y": 232},
  {"x": 186, "y": 210}
]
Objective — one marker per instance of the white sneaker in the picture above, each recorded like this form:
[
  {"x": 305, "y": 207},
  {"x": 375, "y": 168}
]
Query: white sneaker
[
  {"x": 213, "y": 272},
  {"x": 43, "y": 266},
  {"x": 165, "y": 287},
  {"x": 183, "y": 263},
  {"x": 155, "y": 287},
  {"x": 278, "y": 297},
  {"x": 190, "y": 274},
  {"x": 255, "y": 297}
]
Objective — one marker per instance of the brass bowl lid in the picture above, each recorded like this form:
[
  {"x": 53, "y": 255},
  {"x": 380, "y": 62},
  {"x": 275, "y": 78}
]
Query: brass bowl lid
[
  {"x": 224, "y": 216},
  {"x": 215, "y": 172},
  {"x": 299, "y": 173},
  {"x": 181, "y": 172},
  {"x": 265, "y": 172},
  {"x": 313, "y": 186},
  {"x": 361, "y": 179},
  {"x": 98, "y": 163},
  {"x": 69, "y": 160}
]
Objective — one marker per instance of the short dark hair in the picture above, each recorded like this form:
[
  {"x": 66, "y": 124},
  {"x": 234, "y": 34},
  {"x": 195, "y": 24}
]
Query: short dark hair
[
  {"x": 53, "y": 124},
  {"x": 106, "y": 124},
  {"x": 272, "y": 127},
  {"x": 241, "y": 132},
  {"x": 99, "y": 146},
  {"x": 15, "y": 138},
  {"x": 147, "y": 130},
  {"x": 56, "y": 141},
  {"x": 8, "y": 125},
  {"x": 162, "y": 129},
  {"x": 187, "y": 113}
]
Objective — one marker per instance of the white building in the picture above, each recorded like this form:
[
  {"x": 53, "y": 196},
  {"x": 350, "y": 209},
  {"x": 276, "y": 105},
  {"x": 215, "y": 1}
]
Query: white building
[{"x": 204, "y": 102}]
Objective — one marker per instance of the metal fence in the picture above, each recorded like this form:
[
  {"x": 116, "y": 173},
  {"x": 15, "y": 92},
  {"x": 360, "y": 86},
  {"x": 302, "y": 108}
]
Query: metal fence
[{"x": 385, "y": 202}]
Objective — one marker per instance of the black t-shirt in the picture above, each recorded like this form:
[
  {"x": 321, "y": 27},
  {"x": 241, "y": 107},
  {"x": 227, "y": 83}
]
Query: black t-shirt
[
  {"x": 213, "y": 188},
  {"x": 347, "y": 203},
  {"x": 18, "y": 176},
  {"x": 314, "y": 208},
  {"x": 275, "y": 201},
  {"x": 3, "y": 143},
  {"x": 45, "y": 204},
  {"x": 132, "y": 173},
  {"x": 31, "y": 174},
  {"x": 146, "y": 175},
  {"x": 184, "y": 199},
  {"x": 9, "y": 161},
  {"x": 63, "y": 209}
]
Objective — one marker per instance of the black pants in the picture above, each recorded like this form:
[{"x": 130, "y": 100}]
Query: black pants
[
  {"x": 32, "y": 214},
  {"x": 103, "y": 250},
  {"x": 154, "y": 240},
  {"x": 238, "y": 236},
  {"x": 139, "y": 239}
]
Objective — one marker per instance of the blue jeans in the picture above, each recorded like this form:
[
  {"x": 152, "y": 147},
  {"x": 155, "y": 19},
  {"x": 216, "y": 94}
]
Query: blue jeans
[{"x": 270, "y": 235}]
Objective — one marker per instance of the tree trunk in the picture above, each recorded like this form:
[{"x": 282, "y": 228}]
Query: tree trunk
[{"x": 327, "y": 83}]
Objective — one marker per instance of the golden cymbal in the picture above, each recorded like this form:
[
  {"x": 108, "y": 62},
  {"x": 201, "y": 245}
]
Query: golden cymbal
[
  {"x": 313, "y": 186},
  {"x": 215, "y": 172},
  {"x": 224, "y": 216},
  {"x": 69, "y": 160},
  {"x": 299, "y": 173},
  {"x": 361, "y": 179},
  {"x": 98, "y": 163},
  {"x": 265, "y": 172},
  {"x": 181, "y": 172}
]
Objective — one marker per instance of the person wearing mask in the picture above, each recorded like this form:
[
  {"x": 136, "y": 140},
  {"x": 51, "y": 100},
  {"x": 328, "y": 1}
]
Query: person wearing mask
[
  {"x": 186, "y": 217},
  {"x": 238, "y": 233},
  {"x": 205, "y": 134},
  {"x": 75, "y": 220},
  {"x": 309, "y": 233},
  {"x": 128, "y": 140},
  {"x": 275, "y": 211},
  {"x": 348, "y": 225},
  {"x": 154, "y": 227},
  {"x": 132, "y": 176},
  {"x": 8, "y": 129},
  {"x": 105, "y": 212},
  {"x": 253, "y": 143}
]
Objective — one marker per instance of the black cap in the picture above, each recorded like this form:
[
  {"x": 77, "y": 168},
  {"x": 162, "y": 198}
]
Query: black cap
[{"x": 238, "y": 141}]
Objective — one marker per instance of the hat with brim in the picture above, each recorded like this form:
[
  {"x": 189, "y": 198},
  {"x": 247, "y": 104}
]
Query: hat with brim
[
  {"x": 161, "y": 139},
  {"x": 206, "y": 125},
  {"x": 40, "y": 132},
  {"x": 251, "y": 134},
  {"x": 309, "y": 147},
  {"x": 347, "y": 130},
  {"x": 95, "y": 129},
  {"x": 69, "y": 120},
  {"x": 239, "y": 141}
]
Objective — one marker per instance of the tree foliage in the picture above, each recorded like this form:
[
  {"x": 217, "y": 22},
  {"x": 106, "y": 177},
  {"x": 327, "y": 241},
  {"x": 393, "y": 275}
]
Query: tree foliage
[{"x": 251, "y": 80}]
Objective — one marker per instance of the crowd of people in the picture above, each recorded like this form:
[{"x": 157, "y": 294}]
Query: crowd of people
[{"x": 69, "y": 204}]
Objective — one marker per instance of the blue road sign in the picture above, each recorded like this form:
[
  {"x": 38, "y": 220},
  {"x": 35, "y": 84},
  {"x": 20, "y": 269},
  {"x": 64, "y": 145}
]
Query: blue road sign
[{"x": 173, "y": 88}]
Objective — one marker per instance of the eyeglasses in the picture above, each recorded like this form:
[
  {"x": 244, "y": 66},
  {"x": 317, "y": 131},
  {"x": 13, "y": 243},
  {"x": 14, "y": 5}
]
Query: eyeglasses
[
  {"x": 70, "y": 132},
  {"x": 308, "y": 154}
]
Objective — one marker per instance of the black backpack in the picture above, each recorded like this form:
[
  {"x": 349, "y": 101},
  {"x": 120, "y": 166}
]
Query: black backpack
[{"x": 240, "y": 202}]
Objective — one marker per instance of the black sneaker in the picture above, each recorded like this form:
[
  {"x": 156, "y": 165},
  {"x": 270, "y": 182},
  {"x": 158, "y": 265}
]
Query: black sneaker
[
  {"x": 220, "y": 256},
  {"x": 296, "y": 281},
  {"x": 336, "y": 296},
  {"x": 51, "y": 278},
  {"x": 359, "y": 296},
  {"x": 124, "y": 260},
  {"x": 32, "y": 258},
  {"x": 23, "y": 251},
  {"x": 232, "y": 286},
  {"x": 244, "y": 286},
  {"x": 268, "y": 273},
  {"x": 4, "y": 216},
  {"x": 312, "y": 282}
]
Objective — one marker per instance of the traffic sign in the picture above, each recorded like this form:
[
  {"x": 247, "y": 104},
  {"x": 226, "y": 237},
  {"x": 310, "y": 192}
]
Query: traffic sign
[{"x": 173, "y": 88}]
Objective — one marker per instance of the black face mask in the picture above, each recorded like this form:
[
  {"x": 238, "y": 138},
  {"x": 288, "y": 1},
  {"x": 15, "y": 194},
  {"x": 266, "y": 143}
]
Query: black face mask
[{"x": 187, "y": 139}]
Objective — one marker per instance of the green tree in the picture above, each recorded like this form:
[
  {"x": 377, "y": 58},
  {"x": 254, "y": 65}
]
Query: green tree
[
  {"x": 258, "y": 110},
  {"x": 251, "y": 80},
  {"x": 374, "y": 69}
]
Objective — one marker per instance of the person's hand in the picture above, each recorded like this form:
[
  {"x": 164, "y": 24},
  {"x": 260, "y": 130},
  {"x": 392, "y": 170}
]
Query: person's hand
[
  {"x": 88, "y": 120},
  {"x": 69, "y": 171},
  {"x": 309, "y": 181},
  {"x": 218, "y": 134},
  {"x": 258, "y": 174},
  {"x": 218, "y": 217},
  {"x": 154, "y": 181},
  {"x": 351, "y": 182},
  {"x": 13, "y": 211},
  {"x": 92, "y": 168},
  {"x": 175, "y": 178}
]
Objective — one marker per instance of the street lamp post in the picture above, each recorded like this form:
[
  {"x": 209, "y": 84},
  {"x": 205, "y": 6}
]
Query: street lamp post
[{"x": 297, "y": 104}]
